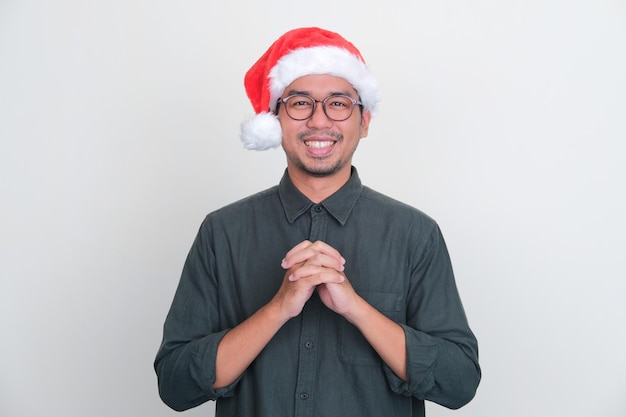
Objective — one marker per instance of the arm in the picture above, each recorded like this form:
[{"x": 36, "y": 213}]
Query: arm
[
  {"x": 241, "y": 345},
  {"x": 442, "y": 352},
  {"x": 383, "y": 334},
  {"x": 198, "y": 360},
  {"x": 433, "y": 356},
  {"x": 191, "y": 333}
]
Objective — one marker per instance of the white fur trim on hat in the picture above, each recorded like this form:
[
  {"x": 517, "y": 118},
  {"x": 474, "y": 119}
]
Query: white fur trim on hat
[
  {"x": 330, "y": 60},
  {"x": 261, "y": 132}
]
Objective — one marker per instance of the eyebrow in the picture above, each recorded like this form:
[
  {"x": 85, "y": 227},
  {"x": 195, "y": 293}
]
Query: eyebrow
[{"x": 309, "y": 93}]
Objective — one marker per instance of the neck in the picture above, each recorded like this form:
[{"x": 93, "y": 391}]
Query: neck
[{"x": 318, "y": 189}]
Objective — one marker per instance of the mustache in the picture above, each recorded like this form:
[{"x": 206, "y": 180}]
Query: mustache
[{"x": 305, "y": 135}]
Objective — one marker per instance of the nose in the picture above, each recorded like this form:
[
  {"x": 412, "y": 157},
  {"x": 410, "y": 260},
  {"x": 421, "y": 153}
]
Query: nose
[{"x": 319, "y": 120}]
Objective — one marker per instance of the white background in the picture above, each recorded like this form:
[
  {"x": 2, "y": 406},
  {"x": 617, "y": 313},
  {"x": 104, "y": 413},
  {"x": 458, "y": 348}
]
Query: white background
[{"x": 119, "y": 119}]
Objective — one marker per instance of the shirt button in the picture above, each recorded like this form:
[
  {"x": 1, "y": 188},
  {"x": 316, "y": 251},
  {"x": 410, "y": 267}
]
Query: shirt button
[
  {"x": 308, "y": 344},
  {"x": 318, "y": 209},
  {"x": 304, "y": 396}
]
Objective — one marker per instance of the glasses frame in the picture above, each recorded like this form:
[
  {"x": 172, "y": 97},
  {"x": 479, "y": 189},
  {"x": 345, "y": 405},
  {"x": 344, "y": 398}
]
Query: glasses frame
[{"x": 285, "y": 99}]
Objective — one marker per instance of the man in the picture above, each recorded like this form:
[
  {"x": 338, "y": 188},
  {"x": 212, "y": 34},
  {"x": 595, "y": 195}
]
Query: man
[{"x": 317, "y": 297}]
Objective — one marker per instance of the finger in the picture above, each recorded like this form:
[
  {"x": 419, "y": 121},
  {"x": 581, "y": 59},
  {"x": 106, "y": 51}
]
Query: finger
[
  {"x": 316, "y": 275},
  {"x": 312, "y": 251},
  {"x": 302, "y": 245},
  {"x": 326, "y": 249},
  {"x": 317, "y": 259},
  {"x": 299, "y": 247}
]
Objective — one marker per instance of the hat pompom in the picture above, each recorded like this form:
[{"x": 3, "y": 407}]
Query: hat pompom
[{"x": 261, "y": 132}]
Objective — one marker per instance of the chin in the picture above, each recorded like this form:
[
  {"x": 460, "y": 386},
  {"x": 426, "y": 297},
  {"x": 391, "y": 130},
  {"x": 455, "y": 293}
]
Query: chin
[{"x": 320, "y": 172}]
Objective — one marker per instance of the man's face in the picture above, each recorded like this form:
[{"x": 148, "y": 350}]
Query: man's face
[{"x": 319, "y": 146}]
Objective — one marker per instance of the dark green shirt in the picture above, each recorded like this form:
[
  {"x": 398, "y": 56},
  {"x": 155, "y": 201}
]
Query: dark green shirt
[{"x": 318, "y": 364}]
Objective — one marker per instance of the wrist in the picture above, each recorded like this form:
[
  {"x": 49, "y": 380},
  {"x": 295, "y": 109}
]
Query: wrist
[
  {"x": 358, "y": 311},
  {"x": 275, "y": 312}
]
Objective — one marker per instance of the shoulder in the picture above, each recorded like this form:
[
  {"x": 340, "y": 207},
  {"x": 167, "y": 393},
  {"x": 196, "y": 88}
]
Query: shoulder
[
  {"x": 407, "y": 224},
  {"x": 250, "y": 202},
  {"x": 236, "y": 212},
  {"x": 378, "y": 202}
]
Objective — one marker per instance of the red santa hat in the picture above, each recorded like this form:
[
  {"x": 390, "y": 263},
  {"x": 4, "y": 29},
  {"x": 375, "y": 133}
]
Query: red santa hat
[{"x": 297, "y": 53}]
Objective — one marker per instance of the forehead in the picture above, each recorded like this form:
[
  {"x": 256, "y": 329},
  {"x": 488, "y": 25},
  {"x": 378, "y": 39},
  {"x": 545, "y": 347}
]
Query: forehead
[{"x": 321, "y": 84}]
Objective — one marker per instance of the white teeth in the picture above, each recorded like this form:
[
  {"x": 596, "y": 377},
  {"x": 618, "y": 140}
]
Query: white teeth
[{"x": 319, "y": 144}]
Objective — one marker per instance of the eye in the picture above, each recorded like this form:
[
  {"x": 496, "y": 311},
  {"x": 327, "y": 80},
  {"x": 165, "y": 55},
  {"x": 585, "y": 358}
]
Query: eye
[
  {"x": 299, "y": 101},
  {"x": 339, "y": 102}
]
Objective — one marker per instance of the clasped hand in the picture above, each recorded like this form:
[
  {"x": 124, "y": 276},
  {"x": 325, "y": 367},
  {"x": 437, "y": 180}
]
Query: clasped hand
[{"x": 310, "y": 267}]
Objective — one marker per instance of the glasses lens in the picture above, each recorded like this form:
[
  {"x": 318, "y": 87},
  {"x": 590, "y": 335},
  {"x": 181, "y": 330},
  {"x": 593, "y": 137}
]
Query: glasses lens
[
  {"x": 299, "y": 107},
  {"x": 338, "y": 108}
]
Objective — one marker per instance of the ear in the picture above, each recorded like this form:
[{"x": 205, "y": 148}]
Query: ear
[{"x": 365, "y": 123}]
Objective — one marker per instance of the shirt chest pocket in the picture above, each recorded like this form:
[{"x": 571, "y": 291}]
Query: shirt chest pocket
[{"x": 353, "y": 347}]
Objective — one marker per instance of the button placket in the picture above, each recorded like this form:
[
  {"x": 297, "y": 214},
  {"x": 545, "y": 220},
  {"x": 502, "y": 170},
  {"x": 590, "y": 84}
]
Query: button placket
[{"x": 307, "y": 361}]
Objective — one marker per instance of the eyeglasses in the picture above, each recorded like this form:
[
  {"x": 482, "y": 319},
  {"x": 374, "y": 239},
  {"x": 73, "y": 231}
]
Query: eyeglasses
[{"x": 336, "y": 107}]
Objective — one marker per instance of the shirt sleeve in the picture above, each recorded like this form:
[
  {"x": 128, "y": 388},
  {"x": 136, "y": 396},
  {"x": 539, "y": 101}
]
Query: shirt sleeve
[
  {"x": 185, "y": 361},
  {"x": 442, "y": 351}
]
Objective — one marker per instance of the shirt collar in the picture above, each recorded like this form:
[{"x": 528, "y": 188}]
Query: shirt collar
[{"x": 339, "y": 205}]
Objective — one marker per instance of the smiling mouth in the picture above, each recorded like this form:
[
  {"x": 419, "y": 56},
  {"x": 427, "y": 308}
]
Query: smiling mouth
[{"x": 318, "y": 144}]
